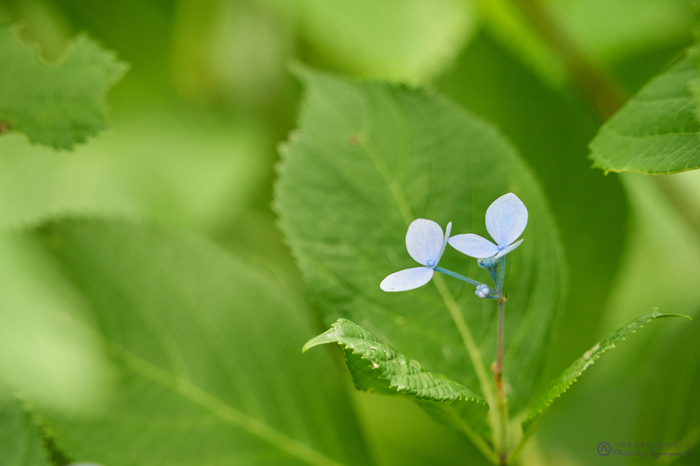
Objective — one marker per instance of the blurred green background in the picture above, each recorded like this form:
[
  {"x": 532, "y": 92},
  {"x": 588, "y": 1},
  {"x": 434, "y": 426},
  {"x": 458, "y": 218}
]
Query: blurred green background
[{"x": 192, "y": 145}]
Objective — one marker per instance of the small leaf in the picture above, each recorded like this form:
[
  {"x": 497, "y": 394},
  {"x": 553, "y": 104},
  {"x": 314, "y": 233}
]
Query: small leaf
[
  {"x": 657, "y": 131},
  {"x": 377, "y": 367},
  {"x": 375, "y": 363},
  {"x": 21, "y": 442},
  {"x": 569, "y": 376},
  {"x": 59, "y": 104}
]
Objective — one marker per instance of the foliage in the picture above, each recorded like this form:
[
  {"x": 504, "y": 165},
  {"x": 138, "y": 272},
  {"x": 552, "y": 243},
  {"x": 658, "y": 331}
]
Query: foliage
[
  {"x": 401, "y": 154},
  {"x": 158, "y": 282},
  {"x": 377, "y": 367},
  {"x": 58, "y": 105},
  {"x": 568, "y": 377},
  {"x": 657, "y": 131},
  {"x": 191, "y": 358},
  {"x": 21, "y": 442}
]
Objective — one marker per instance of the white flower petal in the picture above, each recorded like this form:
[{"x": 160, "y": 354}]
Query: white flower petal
[
  {"x": 473, "y": 245},
  {"x": 506, "y": 219},
  {"x": 508, "y": 249},
  {"x": 448, "y": 230},
  {"x": 424, "y": 241},
  {"x": 407, "y": 279}
]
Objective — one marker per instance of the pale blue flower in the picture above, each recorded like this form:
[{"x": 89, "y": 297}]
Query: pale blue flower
[
  {"x": 506, "y": 219},
  {"x": 425, "y": 244}
]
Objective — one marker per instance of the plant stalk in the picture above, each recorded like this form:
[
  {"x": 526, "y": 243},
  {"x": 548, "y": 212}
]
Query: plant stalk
[
  {"x": 498, "y": 382},
  {"x": 498, "y": 371}
]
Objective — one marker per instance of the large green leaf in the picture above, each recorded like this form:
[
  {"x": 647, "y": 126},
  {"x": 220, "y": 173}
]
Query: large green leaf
[
  {"x": 657, "y": 131},
  {"x": 404, "y": 40},
  {"x": 45, "y": 352},
  {"x": 21, "y": 442},
  {"x": 367, "y": 160},
  {"x": 377, "y": 367},
  {"x": 57, "y": 105},
  {"x": 569, "y": 376},
  {"x": 207, "y": 357}
]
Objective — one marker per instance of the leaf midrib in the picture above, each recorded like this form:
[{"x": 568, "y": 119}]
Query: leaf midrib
[
  {"x": 221, "y": 409},
  {"x": 455, "y": 311}
]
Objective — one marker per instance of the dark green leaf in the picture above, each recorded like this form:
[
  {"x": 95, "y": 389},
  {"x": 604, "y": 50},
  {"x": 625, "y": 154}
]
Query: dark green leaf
[
  {"x": 61, "y": 104},
  {"x": 657, "y": 131},
  {"x": 207, "y": 357}
]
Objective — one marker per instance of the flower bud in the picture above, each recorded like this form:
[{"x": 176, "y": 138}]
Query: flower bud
[
  {"x": 488, "y": 263},
  {"x": 482, "y": 291}
]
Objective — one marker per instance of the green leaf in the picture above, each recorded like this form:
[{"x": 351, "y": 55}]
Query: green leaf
[
  {"x": 367, "y": 160},
  {"x": 45, "y": 352},
  {"x": 670, "y": 408},
  {"x": 569, "y": 376},
  {"x": 402, "y": 40},
  {"x": 544, "y": 123},
  {"x": 206, "y": 352},
  {"x": 695, "y": 83},
  {"x": 21, "y": 442},
  {"x": 56, "y": 104},
  {"x": 657, "y": 131},
  {"x": 377, "y": 367},
  {"x": 649, "y": 25}
]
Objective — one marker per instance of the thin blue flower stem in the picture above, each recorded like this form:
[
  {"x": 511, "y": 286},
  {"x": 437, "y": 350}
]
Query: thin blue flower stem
[
  {"x": 456, "y": 275},
  {"x": 502, "y": 276},
  {"x": 494, "y": 276}
]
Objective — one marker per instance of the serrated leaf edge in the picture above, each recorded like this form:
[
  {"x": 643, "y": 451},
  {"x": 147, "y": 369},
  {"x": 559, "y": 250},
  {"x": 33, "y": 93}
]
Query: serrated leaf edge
[{"x": 326, "y": 337}]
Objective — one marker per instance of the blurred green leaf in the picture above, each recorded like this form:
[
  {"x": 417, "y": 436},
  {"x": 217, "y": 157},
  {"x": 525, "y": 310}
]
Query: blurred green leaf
[
  {"x": 597, "y": 28},
  {"x": 46, "y": 353},
  {"x": 167, "y": 165},
  {"x": 670, "y": 409},
  {"x": 21, "y": 443},
  {"x": 376, "y": 366},
  {"x": 57, "y": 105},
  {"x": 140, "y": 30},
  {"x": 505, "y": 21},
  {"x": 368, "y": 159},
  {"x": 402, "y": 40},
  {"x": 648, "y": 25},
  {"x": 569, "y": 376},
  {"x": 657, "y": 131},
  {"x": 207, "y": 354}
]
